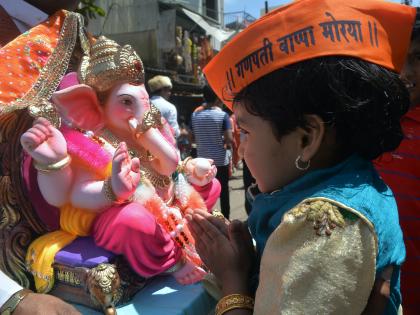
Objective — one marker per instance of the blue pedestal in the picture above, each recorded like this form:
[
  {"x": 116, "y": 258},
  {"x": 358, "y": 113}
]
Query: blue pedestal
[{"x": 164, "y": 296}]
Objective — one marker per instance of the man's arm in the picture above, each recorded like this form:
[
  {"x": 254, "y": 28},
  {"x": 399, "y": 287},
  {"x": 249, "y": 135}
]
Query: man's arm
[
  {"x": 173, "y": 120},
  {"x": 30, "y": 303},
  {"x": 227, "y": 132}
]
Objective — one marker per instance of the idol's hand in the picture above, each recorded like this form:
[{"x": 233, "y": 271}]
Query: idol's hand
[
  {"x": 226, "y": 250},
  {"x": 200, "y": 171},
  {"x": 125, "y": 173},
  {"x": 44, "y": 143}
]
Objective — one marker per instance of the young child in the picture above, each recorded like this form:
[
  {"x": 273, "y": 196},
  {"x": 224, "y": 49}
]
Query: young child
[{"x": 315, "y": 87}]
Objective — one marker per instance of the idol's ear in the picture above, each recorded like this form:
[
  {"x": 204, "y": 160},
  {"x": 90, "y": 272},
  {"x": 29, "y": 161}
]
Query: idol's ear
[{"x": 79, "y": 105}]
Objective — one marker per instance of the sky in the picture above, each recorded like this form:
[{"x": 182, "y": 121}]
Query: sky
[{"x": 253, "y": 7}]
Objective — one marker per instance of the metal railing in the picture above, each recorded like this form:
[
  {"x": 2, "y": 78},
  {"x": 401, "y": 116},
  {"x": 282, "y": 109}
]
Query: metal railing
[{"x": 238, "y": 20}]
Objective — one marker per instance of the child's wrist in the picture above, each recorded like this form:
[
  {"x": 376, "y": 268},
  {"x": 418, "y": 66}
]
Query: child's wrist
[{"x": 235, "y": 283}]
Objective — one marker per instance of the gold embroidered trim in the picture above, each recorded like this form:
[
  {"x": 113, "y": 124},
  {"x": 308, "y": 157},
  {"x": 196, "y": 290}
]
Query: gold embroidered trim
[
  {"x": 324, "y": 215},
  {"x": 68, "y": 277},
  {"x": 52, "y": 73},
  {"x": 46, "y": 110},
  {"x": 84, "y": 41},
  {"x": 354, "y": 211}
]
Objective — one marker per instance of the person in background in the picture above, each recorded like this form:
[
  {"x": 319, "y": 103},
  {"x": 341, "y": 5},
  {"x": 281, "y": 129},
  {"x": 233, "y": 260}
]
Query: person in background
[
  {"x": 401, "y": 171},
  {"x": 184, "y": 141},
  {"x": 16, "y": 17},
  {"x": 236, "y": 134},
  {"x": 315, "y": 115},
  {"x": 247, "y": 178},
  {"x": 212, "y": 132},
  {"x": 160, "y": 88}
]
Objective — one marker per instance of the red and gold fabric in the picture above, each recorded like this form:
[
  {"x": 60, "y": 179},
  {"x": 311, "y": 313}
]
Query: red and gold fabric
[{"x": 34, "y": 63}]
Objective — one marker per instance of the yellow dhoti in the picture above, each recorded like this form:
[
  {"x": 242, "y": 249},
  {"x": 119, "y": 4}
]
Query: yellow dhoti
[{"x": 41, "y": 253}]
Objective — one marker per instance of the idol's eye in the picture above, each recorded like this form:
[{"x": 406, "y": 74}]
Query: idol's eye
[{"x": 127, "y": 101}]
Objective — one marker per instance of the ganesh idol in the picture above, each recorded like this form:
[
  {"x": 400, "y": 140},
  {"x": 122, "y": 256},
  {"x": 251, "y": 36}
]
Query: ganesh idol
[{"x": 106, "y": 160}]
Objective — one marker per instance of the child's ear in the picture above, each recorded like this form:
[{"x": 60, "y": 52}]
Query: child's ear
[{"x": 312, "y": 136}]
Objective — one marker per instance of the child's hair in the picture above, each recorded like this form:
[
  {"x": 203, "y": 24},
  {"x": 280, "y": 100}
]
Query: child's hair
[
  {"x": 362, "y": 101},
  {"x": 415, "y": 35},
  {"x": 208, "y": 94}
]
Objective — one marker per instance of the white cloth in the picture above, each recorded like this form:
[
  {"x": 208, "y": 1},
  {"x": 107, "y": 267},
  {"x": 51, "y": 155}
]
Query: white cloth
[
  {"x": 23, "y": 14},
  {"x": 7, "y": 288},
  {"x": 168, "y": 111}
]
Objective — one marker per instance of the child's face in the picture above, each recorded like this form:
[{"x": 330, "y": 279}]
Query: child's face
[
  {"x": 271, "y": 162},
  {"x": 411, "y": 72}
]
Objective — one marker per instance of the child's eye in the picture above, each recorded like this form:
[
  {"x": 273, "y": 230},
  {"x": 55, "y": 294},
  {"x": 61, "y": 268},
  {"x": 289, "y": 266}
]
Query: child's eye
[{"x": 244, "y": 132}]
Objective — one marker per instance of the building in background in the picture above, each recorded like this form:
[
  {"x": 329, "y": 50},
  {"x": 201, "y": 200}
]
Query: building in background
[
  {"x": 173, "y": 38},
  {"x": 159, "y": 28}
]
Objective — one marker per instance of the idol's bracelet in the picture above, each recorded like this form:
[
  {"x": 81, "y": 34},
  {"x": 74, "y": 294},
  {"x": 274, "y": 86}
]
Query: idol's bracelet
[
  {"x": 110, "y": 194},
  {"x": 11, "y": 304},
  {"x": 54, "y": 167},
  {"x": 233, "y": 301},
  {"x": 152, "y": 119},
  {"x": 181, "y": 168}
]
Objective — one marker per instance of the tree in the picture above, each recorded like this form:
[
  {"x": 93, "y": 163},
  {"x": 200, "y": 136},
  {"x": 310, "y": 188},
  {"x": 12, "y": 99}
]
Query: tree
[{"x": 89, "y": 10}]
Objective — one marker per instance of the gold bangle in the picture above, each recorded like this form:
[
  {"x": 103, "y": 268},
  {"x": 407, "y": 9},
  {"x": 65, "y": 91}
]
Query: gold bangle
[
  {"x": 181, "y": 168},
  {"x": 233, "y": 301},
  {"x": 11, "y": 304},
  {"x": 54, "y": 167},
  {"x": 110, "y": 194}
]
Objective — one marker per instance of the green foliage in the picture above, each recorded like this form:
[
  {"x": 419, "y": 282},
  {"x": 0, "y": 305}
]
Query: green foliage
[{"x": 89, "y": 10}]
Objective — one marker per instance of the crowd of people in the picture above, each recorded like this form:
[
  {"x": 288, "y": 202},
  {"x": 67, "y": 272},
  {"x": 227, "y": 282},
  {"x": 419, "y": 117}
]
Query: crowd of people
[{"x": 320, "y": 101}]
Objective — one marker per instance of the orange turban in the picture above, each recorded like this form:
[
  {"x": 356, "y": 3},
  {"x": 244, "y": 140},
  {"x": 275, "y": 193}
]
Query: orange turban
[{"x": 373, "y": 30}]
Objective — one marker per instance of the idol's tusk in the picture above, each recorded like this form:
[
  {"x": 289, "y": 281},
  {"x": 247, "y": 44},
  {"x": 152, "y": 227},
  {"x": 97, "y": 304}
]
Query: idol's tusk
[
  {"x": 133, "y": 123},
  {"x": 135, "y": 126}
]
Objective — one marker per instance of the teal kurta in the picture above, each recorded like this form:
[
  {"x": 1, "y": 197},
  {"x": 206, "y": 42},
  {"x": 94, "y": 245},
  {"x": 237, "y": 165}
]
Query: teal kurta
[{"x": 353, "y": 183}]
